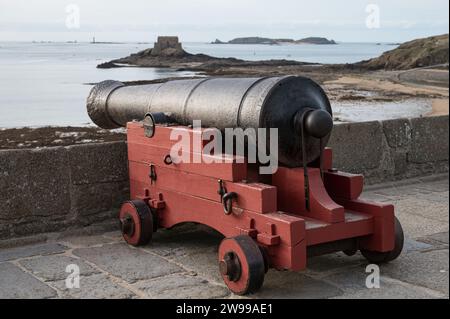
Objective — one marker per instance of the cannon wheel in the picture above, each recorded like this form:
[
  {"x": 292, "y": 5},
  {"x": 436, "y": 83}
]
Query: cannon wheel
[
  {"x": 241, "y": 265},
  {"x": 136, "y": 222},
  {"x": 381, "y": 258}
]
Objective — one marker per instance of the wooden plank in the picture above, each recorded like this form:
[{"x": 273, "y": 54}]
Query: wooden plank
[
  {"x": 256, "y": 197},
  {"x": 162, "y": 137},
  {"x": 223, "y": 167},
  {"x": 355, "y": 225}
]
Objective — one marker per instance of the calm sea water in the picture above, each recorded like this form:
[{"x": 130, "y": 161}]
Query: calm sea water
[{"x": 45, "y": 83}]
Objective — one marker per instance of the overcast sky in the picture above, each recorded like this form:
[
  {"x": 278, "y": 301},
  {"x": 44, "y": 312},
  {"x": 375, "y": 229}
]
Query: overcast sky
[{"x": 206, "y": 20}]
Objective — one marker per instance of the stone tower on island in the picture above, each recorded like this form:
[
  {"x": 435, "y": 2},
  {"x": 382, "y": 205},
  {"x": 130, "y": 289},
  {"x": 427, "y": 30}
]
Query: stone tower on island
[{"x": 167, "y": 46}]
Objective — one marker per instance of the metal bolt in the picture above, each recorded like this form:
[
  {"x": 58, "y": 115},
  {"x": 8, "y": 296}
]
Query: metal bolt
[
  {"x": 127, "y": 225},
  {"x": 230, "y": 267}
]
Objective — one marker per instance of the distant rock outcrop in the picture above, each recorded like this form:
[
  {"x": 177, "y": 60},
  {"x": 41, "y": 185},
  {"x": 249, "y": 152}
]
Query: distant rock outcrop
[
  {"x": 413, "y": 54},
  {"x": 108, "y": 65},
  {"x": 315, "y": 40},
  {"x": 253, "y": 40},
  {"x": 285, "y": 40},
  {"x": 259, "y": 40},
  {"x": 217, "y": 41}
]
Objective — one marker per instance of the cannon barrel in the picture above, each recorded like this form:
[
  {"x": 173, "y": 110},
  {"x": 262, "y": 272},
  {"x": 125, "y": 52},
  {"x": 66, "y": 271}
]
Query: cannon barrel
[{"x": 269, "y": 102}]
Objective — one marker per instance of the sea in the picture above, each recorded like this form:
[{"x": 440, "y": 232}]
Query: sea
[{"x": 46, "y": 83}]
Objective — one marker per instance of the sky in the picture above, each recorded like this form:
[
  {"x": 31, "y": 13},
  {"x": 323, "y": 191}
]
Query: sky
[{"x": 206, "y": 20}]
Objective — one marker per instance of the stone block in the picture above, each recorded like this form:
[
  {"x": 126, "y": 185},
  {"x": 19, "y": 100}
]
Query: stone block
[
  {"x": 94, "y": 287},
  {"x": 16, "y": 284},
  {"x": 182, "y": 286},
  {"x": 31, "y": 250},
  {"x": 429, "y": 139},
  {"x": 426, "y": 269},
  {"x": 353, "y": 283},
  {"x": 127, "y": 263},
  {"x": 89, "y": 199},
  {"x": 53, "y": 268},
  {"x": 34, "y": 183},
  {"x": 98, "y": 163},
  {"x": 398, "y": 133},
  {"x": 357, "y": 147}
]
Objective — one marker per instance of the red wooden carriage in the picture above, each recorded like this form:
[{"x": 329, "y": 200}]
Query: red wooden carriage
[{"x": 267, "y": 221}]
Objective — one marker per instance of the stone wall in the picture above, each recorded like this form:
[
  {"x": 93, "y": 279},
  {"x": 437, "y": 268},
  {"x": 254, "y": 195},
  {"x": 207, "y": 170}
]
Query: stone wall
[
  {"x": 51, "y": 189},
  {"x": 393, "y": 149}
]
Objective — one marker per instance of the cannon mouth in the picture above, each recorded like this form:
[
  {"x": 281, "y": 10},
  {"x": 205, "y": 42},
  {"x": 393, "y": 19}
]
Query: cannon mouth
[
  {"x": 283, "y": 108},
  {"x": 97, "y": 103}
]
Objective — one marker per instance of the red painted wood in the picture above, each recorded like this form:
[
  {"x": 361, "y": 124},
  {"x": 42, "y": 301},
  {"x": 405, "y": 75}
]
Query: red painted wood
[
  {"x": 327, "y": 160},
  {"x": 343, "y": 185},
  {"x": 291, "y": 195},
  {"x": 383, "y": 232},
  {"x": 355, "y": 225},
  {"x": 228, "y": 170},
  {"x": 163, "y": 134},
  {"x": 256, "y": 197}
]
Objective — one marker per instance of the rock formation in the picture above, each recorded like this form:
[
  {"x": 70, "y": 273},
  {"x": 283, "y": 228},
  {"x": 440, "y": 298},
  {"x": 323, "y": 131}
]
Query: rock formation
[
  {"x": 259, "y": 40},
  {"x": 413, "y": 54},
  {"x": 315, "y": 40}
]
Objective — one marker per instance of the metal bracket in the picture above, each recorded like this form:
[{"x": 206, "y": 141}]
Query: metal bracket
[
  {"x": 222, "y": 190},
  {"x": 227, "y": 201},
  {"x": 152, "y": 175}
]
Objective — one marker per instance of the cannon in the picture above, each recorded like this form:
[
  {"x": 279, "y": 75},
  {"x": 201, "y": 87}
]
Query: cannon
[
  {"x": 304, "y": 208},
  {"x": 271, "y": 102}
]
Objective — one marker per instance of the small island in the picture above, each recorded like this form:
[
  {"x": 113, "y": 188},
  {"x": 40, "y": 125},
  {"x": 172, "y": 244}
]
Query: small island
[
  {"x": 269, "y": 41},
  {"x": 168, "y": 52},
  {"x": 315, "y": 40}
]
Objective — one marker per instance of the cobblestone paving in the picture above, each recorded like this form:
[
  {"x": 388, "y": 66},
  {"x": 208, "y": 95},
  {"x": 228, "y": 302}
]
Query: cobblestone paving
[{"x": 181, "y": 263}]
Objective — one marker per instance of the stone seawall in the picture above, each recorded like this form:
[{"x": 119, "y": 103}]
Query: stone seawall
[
  {"x": 51, "y": 189},
  {"x": 393, "y": 149}
]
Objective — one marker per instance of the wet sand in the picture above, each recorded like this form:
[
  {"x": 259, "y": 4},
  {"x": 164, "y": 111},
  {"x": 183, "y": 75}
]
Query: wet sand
[
  {"x": 440, "y": 107},
  {"x": 378, "y": 83}
]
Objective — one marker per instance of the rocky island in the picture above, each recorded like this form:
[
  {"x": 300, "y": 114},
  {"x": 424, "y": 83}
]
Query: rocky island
[
  {"x": 259, "y": 40},
  {"x": 169, "y": 53},
  {"x": 315, "y": 40},
  {"x": 253, "y": 40}
]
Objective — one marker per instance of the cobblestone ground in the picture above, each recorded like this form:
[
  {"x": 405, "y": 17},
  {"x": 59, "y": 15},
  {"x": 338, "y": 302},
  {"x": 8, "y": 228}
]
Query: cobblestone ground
[{"x": 181, "y": 263}]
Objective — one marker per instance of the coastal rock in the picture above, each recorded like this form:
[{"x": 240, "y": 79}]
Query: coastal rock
[
  {"x": 108, "y": 65},
  {"x": 413, "y": 54},
  {"x": 217, "y": 41}
]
